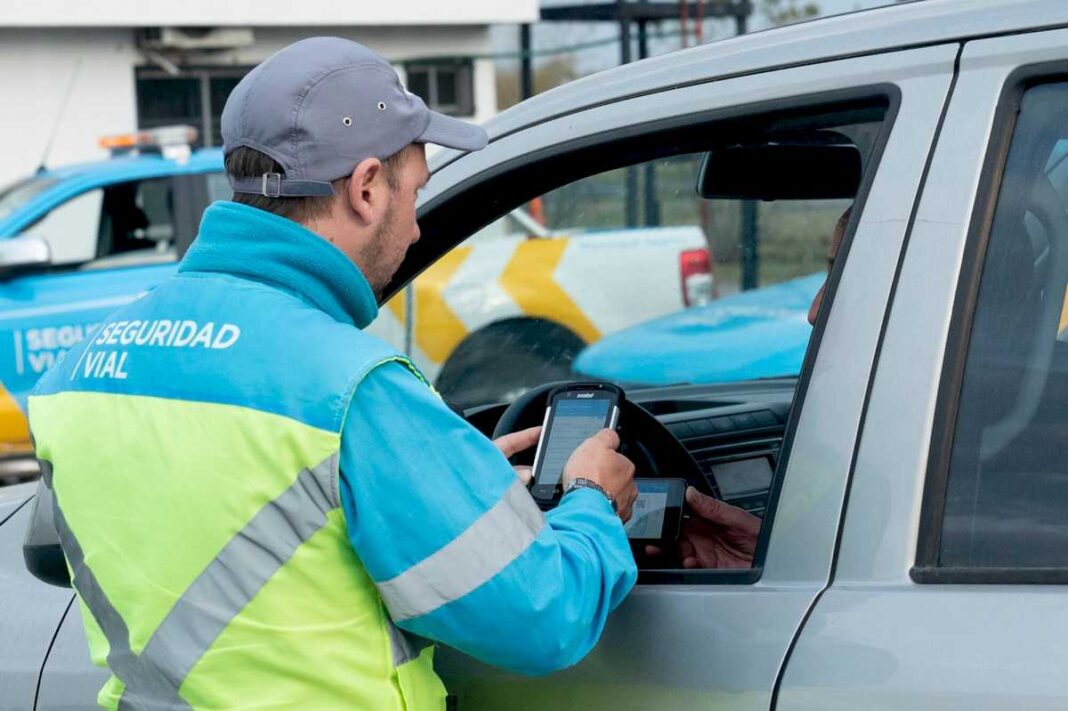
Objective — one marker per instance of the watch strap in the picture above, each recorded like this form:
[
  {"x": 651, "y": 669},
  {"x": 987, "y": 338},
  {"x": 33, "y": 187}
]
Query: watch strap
[{"x": 583, "y": 483}]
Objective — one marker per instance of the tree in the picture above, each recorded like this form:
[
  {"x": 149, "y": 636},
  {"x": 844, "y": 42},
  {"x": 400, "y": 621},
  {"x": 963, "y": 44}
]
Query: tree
[{"x": 783, "y": 12}]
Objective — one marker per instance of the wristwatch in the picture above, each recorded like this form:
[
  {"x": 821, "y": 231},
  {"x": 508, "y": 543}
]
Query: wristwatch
[{"x": 581, "y": 483}]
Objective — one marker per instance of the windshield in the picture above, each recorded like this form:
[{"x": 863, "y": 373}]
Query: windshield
[{"x": 14, "y": 196}]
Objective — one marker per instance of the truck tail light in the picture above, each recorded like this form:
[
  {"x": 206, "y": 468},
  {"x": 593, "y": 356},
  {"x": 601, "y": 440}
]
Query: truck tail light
[{"x": 695, "y": 271}]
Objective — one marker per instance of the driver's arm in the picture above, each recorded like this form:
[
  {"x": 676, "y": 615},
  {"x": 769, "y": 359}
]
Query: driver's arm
[{"x": 455, "y": 544}]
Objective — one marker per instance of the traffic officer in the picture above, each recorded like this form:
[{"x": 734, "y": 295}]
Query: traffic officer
[{"x": 264, "y": 506}]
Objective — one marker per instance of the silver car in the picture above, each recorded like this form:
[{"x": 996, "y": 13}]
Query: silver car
[{"x": 912, "y": 479}]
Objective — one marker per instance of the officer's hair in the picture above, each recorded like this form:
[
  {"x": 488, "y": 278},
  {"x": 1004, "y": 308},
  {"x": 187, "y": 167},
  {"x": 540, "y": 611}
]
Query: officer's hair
[{"x": 246, "y": 162}]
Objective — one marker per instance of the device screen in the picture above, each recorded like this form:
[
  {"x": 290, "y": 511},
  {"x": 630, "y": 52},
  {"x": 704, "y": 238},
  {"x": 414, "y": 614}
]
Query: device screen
[
  {"x": 647, "y": 517},
  {"x": 657, "y": 511},
  {"x": 574, "y": 420}
]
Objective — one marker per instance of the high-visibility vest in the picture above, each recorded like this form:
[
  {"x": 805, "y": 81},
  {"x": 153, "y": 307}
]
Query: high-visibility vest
[{"x": 195, "y": 479}]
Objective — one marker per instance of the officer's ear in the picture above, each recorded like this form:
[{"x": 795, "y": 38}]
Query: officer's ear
[{"x": 368, "y": 191}]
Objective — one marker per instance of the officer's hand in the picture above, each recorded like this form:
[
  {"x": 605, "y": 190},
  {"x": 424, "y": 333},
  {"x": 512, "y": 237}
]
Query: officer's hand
[
  {"x": 717, "y": 535},
  {"x": 517, "y": 442},
  {"x": 596, "y": 459}
]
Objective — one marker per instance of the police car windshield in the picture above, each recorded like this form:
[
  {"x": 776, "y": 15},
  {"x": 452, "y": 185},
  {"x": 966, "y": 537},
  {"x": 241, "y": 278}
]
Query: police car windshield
[{"x": 14, "y": 196}]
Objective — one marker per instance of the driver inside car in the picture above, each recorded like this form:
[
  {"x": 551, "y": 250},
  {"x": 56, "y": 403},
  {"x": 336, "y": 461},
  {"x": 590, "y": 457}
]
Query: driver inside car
[{"x": 718, "y": 535}]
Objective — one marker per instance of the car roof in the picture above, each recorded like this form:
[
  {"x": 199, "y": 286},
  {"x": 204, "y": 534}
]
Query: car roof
[
  {"x": 201, "y": 160},
  {"x": 912, "y": 24}
]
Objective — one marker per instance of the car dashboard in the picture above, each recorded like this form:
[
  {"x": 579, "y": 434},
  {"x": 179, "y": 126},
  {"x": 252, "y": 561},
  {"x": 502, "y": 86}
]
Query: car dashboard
[
  {"x": 735, "y": 442},
  {"x": 733, "y": 431}
]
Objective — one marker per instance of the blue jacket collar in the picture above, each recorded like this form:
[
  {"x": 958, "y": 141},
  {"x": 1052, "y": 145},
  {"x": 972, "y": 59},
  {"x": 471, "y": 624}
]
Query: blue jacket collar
[{"x": 253, "y": 244}]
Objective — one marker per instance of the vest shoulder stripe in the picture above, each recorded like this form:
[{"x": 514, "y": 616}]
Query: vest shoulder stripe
[{"x": 487, "y": 547}]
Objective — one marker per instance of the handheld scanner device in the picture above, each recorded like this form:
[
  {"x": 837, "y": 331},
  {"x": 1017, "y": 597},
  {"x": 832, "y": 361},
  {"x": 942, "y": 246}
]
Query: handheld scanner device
[{"x": 575, "y": 413}]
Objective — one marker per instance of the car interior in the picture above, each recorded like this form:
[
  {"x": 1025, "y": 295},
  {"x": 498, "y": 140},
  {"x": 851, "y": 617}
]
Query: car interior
[{"x": 725, "y": 439}]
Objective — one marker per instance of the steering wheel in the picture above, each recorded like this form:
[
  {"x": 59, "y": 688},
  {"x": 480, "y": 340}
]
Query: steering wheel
[{"x": 656, "y": 452}]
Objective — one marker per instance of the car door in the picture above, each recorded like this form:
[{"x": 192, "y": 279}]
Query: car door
[
  {"x": 689, "y": 639},
  {"x": 948, "y": 589}
]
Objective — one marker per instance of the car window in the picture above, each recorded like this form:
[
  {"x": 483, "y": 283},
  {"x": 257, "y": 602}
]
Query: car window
[
  {"x": 71, "y": 229},
  {"x": 137, "y": 216},
  {"x": 1006, "y": 502},
  {"x": 120, "y": 223},
  {"x": 14, "y": 196},
  {"x": 627, "y": 275}
]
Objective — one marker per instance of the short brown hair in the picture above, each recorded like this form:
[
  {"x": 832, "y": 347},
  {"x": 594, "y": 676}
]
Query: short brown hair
[{"x": 244, "y": 162}]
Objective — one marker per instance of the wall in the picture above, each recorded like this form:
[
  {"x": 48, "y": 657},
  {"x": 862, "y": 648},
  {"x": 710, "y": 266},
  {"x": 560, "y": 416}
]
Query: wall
[{"x": 36, "y": 66}]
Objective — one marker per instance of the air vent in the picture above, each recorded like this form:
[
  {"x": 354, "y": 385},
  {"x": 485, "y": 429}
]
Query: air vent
[
  {"x": 739, "y": 423},
  {"x": 739, "y": 450}
]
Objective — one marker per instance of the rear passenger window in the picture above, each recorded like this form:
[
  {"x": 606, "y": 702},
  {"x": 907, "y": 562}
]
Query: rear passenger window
[
  {"x": 137, "y": 216},
  {"x": 1006, "y": 501}
]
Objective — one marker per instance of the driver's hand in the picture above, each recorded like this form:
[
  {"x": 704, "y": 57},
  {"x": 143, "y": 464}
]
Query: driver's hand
[
  {"x": 515, "y": 443},
  {"x": 717, "y": 535},
  {"x": 596, "y": 459}
]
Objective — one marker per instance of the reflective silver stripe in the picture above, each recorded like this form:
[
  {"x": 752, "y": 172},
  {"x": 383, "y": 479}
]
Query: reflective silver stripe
[
  {"x": 405, "y": 647},
  {"x": 134, "y": 673},
  {"x": 492, "y": 542},
  {"x": 240, "y": 570}
]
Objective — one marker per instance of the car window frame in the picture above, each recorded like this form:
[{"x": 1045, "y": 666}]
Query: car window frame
[
  {"x": 809, "y": 105},
  {"x": 926, "y": 568},
  {"x": 190, "y": 200}
]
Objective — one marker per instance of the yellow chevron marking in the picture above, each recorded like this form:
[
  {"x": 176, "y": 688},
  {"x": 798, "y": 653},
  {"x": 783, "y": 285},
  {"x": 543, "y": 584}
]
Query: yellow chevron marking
[
  {"x": 529, "y": 279},
  {"x": 1064, "y": 314},
  {"x": 14, "y": 431},
  {"x": 437, "y": 329}
]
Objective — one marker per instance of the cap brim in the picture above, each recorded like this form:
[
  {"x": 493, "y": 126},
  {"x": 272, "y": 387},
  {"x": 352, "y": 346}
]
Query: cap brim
[{"x": 452, "y": 133}]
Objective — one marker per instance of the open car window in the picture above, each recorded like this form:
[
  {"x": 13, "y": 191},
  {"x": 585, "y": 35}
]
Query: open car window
[
  {"x": 654, "y": 262},
  {"x": 631, "y": 274}
]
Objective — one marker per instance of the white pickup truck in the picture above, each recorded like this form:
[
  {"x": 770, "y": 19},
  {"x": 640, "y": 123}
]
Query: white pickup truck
[{"x": 513, "y": 305}]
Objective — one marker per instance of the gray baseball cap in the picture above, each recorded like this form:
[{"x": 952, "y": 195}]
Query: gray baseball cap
[{"x": 322, "y": 105}]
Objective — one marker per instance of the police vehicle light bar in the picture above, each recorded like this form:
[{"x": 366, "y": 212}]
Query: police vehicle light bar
[{"x": 171, "y": 141}]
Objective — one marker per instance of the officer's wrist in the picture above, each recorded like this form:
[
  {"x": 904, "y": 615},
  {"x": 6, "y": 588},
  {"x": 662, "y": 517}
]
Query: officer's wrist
[{"x": 583, "y": 483}]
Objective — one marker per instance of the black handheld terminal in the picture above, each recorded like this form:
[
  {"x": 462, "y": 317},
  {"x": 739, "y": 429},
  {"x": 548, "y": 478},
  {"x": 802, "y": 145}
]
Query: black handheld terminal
[{"x": 575, "y": 413}]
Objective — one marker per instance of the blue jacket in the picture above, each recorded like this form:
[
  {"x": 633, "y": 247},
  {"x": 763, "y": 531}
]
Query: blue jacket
[{"x": 418, "y": 483}]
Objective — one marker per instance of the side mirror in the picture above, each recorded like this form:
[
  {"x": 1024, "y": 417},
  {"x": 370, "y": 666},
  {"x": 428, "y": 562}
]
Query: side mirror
[
  {"x": 41, "y": 549},
  {"x": 25, "y": 252}
]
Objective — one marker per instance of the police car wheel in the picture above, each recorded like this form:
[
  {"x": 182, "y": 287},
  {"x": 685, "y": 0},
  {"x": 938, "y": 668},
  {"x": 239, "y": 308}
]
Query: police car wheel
[{"x": 505, "y": 359}]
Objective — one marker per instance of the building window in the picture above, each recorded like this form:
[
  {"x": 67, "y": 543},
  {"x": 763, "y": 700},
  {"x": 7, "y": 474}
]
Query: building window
[
  {"x": 195, "y": 97},
  {"x": 445, "y": 86}
]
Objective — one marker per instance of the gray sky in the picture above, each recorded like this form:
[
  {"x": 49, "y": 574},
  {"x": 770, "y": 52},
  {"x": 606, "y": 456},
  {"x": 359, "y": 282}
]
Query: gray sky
[{"x": 549, "y": 36}]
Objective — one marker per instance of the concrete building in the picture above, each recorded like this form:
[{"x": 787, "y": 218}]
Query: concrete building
[{"x": 74, "y": 70}]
